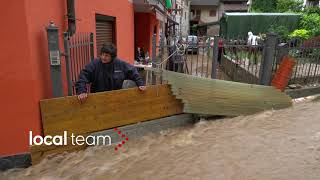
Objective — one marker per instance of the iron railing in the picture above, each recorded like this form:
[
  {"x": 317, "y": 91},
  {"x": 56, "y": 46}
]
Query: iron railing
[
  {"x": 80, "y": 52},
  {"x": 238, "y": 61},
  {"x": 307, "y": 57}
]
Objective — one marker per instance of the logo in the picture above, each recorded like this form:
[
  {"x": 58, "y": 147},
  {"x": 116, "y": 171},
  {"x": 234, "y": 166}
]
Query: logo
[
  {"x": 62, "y": 140},
  {"x": 123, "y": 139}
]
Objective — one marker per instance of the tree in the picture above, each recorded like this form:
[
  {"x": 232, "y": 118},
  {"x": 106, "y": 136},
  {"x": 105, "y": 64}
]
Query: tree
[
  {"x": 289, "y": 5},
  {"x": 300, "y": 33},
  {"x": 282, "y": 31},
  {"x": 264, "y": 5},
  {"x": 311, "y": 22},
  {"x": 311, "y": 10}
]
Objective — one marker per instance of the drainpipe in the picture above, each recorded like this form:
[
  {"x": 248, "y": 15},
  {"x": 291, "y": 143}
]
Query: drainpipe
[{"x": 71, "y": 17}]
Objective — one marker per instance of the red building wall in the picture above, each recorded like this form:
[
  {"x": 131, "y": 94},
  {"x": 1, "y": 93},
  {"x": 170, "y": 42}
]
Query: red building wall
[
  {"x": 25, "y": 72},
  {"x": 17, "y": 105},
  {"x": 145, "y": 24},
  {"x": 142, "y": 31}
]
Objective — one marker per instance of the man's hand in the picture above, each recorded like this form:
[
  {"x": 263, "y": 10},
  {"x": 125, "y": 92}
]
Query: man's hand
[
  {"x": 82, "y": 97},
  {"x": 142, "y": 88}
]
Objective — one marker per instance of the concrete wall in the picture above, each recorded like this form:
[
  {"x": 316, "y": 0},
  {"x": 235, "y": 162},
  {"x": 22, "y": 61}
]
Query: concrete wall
[
  {"x": 185, "y": 18},
  {"x": 182, "y": 17},
  {"x": 236, "y": 73},
  {"x": 213, "y": 30},
  {"x": 25, "y": 71},
  {"x": 205, "y": 16},
  {"x": 232, "y": 7},
  {"x": 141, "y": 129}
]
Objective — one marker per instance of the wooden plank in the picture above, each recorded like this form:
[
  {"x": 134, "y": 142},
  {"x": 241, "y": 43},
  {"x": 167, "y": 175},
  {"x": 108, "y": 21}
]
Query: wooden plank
[
  {"x": 102, "y": 111},
  {"x": 107, "y": 110}
]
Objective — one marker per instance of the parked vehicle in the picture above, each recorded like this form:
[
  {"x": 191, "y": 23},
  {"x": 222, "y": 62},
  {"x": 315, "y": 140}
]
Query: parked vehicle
[{"x": 192, "y": 44}]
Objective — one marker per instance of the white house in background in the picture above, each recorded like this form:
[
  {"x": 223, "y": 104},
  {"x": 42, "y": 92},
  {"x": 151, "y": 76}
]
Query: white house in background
[
  {"x": 205, "y": 14},
  {"x": 311, "y": 3},
  {"x": 182, "y": 16}
]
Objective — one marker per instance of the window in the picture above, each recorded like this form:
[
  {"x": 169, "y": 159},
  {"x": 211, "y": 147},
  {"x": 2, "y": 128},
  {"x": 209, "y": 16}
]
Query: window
[
  {"x": 212, "y": 13},
  {"x": 185, "y": 15}
]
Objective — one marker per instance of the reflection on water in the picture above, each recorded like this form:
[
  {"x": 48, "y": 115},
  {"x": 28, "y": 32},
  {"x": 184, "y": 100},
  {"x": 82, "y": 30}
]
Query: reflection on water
[{"x": 281, "y": 144}]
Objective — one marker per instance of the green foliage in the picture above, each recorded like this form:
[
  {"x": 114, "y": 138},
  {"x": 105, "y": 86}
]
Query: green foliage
[
  {"x": 264, "y": 5},
  {"x": 289, "y": 5},
  {"x": 311, "y": 10},
  {"x": 300, "y": 33},
  {"x": 282, "y": 31},
  {"x": 311, "y": 22},
  {"x": 316, "y": 52},
  {"x": 277, "y": 5}
]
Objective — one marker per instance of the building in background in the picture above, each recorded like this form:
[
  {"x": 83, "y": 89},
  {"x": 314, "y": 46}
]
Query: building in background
[
  {"x": 181, "y": 16},
  {"x": 149, "y": 19},
  {"x": 311, "y": 3},
  {"x": 154, "y": 18},
  {"x": 205, "y": 14}
]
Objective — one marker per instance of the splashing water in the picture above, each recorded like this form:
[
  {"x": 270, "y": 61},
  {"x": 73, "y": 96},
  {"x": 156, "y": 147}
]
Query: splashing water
[{"x": 282, "y": 144}]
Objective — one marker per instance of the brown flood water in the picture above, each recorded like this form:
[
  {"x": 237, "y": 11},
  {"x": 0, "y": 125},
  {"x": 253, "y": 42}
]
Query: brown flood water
[{"x": 281, "y": 144}]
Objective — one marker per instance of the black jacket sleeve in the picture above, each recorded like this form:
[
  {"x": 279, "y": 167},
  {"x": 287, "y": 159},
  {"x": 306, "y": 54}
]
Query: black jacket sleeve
[
  {"x": 133, "y": 74},
  {"x": 85, "y": 77}
]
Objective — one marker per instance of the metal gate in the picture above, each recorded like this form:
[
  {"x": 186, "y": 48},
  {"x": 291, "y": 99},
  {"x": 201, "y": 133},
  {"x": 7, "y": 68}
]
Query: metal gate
[
  {"x": 79, "y": 52},
  {"x": 190, "y": 55}
]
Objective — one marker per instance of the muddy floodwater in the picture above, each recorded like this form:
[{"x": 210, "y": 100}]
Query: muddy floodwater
[{"x": 281, "y": 144}]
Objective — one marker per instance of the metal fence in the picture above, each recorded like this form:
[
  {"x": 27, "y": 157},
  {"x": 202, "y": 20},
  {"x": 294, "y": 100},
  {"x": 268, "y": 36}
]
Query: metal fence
[
  {"x": 79, "y": 52},
  {"x": 250, "y": 64},
  {"x": 190, "y": 56},
  {"x": 307, "y": 56},
  {"x": 239, "y": 61},
  {"x": 235, "y": 60}
]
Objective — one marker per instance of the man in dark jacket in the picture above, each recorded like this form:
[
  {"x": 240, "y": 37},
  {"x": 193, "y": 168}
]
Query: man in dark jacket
[{"x": 106, "y": 73}]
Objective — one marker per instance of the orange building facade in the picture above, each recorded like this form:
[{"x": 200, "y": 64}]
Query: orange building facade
[{"x": 25, "y": 70}]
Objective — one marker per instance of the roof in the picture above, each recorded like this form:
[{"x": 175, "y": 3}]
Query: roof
[
  {"x": 205, "y": 2},
  {"x": 260, "y": 14},
  {"x": 208, "y": 24}
]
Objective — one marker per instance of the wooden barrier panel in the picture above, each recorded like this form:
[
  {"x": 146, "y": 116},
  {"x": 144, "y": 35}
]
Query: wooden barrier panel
[
  {"x": 102, "y": 111},
  {"x": 107, "y": 110}
]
